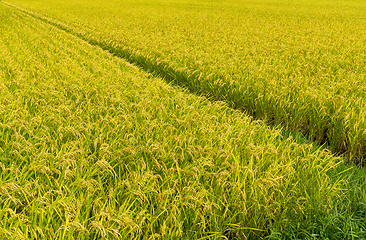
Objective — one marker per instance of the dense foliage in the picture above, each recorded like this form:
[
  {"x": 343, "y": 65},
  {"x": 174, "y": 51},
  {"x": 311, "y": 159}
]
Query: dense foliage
[
  {"x": 91, "y": 147},
  {"x": 300, "y": 64}
]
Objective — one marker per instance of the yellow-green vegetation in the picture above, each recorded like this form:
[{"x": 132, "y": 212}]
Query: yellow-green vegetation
[
  {"x": 91, "y": 147},
  {"x": 300, "y": 64}
]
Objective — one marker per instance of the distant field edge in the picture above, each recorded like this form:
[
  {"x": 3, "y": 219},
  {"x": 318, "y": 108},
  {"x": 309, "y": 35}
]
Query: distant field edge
[{"x": 347, "y": 143}]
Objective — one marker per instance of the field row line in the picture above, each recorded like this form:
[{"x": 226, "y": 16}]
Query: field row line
[{"x": 213, "y": 87}]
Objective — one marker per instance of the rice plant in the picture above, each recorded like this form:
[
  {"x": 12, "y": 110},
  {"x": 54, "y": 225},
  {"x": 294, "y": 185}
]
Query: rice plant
[{"x": 91, "y": 147}]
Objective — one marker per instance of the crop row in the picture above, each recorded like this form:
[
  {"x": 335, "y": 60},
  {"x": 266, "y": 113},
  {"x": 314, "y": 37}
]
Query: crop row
[
  {"x": 91, "y": 147},
  {"x": 298, "y": 65}
]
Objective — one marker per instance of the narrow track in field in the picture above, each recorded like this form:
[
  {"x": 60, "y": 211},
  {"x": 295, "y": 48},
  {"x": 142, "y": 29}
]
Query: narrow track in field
[
  {"x": 182, "y": 78},
  {"x": 132, "y": 56}
]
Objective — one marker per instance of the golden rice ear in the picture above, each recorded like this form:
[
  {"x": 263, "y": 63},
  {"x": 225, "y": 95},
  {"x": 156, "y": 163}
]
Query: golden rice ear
[{"x": 93, "y": 147}]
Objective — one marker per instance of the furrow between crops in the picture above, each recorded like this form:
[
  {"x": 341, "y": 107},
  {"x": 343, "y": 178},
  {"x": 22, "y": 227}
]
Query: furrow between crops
[
  {"x": 149, "y": 64},
  {"x": 319, "y": 121}
]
